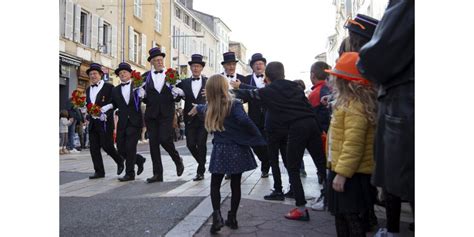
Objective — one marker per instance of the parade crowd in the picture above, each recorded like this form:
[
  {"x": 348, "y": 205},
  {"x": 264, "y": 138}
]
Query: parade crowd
[{"x": 357, "y": 124}]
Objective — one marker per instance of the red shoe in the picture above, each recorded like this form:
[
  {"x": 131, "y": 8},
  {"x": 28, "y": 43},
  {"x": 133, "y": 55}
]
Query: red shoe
[{"x": 296, "y": 214}]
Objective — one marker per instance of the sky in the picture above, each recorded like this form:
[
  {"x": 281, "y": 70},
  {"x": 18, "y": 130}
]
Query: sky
[{"x": 292, "y": 32}]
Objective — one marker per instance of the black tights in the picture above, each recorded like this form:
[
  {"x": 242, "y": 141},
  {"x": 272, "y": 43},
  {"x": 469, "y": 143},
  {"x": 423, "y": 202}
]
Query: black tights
[
  {"x": 349, "y": 225},
  {"x": 216, "y": 181}
]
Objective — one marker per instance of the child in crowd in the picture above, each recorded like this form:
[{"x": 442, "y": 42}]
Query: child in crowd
[
  {"x": 64, "y": 123},
  {"x": 234, "y": 132},
  {"x": 350, "y": 147}
]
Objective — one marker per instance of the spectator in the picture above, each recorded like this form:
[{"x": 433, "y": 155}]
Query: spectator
[{"x": 64, "y": 122}]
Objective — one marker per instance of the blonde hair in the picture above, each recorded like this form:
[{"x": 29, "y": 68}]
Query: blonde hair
[
  {"x": 219, "y": 102},
  {"x": 347, "y": 91}
]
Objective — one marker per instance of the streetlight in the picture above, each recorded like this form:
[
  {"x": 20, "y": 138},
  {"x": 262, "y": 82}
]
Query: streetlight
[{"x": 179, "y": 36}]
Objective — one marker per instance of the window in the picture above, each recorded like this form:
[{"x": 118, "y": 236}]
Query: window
[
  {"x": 211, "y": 58},
  {"x": 196, "y": 26},
  {"x": 136, "y": 39},
  {"x": 186, "y": 20},
  {"x": 178, "y": 13},
  {"x": 158, "y": 15},
  {"x": 106, "y": 39},
  {"x": 137, "y": 8},
  {"x": 83, "y": 29}
]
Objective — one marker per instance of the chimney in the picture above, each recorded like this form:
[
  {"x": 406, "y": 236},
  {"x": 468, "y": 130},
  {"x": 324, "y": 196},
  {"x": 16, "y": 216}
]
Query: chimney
[{"x": 189, "y": 4}]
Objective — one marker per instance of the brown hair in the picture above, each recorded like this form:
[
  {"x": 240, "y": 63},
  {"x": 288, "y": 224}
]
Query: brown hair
[
  {"x": 347, "y": 91},
  {"x": 63, "y": 113},
  {"x": 219, "y": 102},
  {"x": 275, "y": 71}
]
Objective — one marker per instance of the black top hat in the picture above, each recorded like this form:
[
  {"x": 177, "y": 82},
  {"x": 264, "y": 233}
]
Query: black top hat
[
  {"x": 123, "y": 66},
  {"x": 257, "y": 57},
  {"x": 155, "y": 52},
  {"x": 196, "y": 58},
  {"x": 95, "y": 66},
  {"x": 362, "y": 25},
  {"x": 229, "y": 57}
]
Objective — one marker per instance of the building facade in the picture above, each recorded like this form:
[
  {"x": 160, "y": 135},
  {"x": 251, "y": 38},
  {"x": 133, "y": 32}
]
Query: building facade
[{"x": 240, "y": 51}]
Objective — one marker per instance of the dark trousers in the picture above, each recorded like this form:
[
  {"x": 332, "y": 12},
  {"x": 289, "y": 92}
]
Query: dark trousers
[
  {"x": 316, "y": 151},
  {"x": 301, "y": 134},
  {"x": 277, "y": 141},
  {"x": 262, "y": 154},
  {"x": 196, "y": 141},
  {"x": 393, "y": 207},
  {"x": 127, "y": 141},
  {"x": 160, "y": 132},
  {"x": 100, "y": 139},
  {"x": 216, "y": 181}
]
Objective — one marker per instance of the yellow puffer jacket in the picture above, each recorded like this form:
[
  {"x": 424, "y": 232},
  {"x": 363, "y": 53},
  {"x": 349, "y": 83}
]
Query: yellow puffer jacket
[{"x": 352, "y": 137}]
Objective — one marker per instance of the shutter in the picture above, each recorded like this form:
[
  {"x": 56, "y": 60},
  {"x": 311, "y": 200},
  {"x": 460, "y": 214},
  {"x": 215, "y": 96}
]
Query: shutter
[
  {"x": 144, "y": 58},
  {"x": 94, "y": 31},
  {"x": 113, "y": 44},
  {"x": 88, "y": 30},
  {"x": 77, "y": 23},
  {"x": 101, "y": 37},
  {"x": 131, "y": 51},
  {"x": 69, "y": 21}
]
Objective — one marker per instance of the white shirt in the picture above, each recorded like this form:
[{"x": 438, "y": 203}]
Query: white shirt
[
  {"x": 94, "y": 90},
  {"x": 258, "y": 81},
  {"x": 230, "y": 79},
  {"x": 158, "y": 79},
  {"x": 126, "y": 91},
  {"x": 196, "y": 86}
]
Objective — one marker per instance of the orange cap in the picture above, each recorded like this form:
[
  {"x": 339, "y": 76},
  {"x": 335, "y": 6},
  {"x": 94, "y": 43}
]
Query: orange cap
[{"x": 346, "y": 68}]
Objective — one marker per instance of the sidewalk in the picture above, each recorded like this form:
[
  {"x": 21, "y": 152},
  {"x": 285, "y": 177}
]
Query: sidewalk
[{"x": 256, "y": 217}]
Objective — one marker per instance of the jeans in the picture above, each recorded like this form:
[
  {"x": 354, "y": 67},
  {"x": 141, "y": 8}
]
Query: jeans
[{"x": 71, "y": 132}]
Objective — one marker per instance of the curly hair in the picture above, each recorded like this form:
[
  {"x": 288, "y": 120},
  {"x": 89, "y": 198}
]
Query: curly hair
[{"x": 347, "y": 91}]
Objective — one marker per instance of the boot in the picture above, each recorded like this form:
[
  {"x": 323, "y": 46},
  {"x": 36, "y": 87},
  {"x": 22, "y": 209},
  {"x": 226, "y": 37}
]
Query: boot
[
  {"x": 231, "y": 220},
  {"x": 217, "y": 221}
]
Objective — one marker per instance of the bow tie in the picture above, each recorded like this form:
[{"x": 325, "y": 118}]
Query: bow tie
[
  {"x": 231, "y": 76},
  {"x": 94, "y": 85},
  {"x": 124, "y": 84},
  {"x": 259, "y": 75},
  {"x": 195, "y": 79},
  {"x": 156, "y": 72}
]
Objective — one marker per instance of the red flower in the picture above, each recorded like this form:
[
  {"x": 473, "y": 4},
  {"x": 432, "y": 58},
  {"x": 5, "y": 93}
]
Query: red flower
[
  {"x": 89, "y": 106},
  {"x": 172, "y": 75}
]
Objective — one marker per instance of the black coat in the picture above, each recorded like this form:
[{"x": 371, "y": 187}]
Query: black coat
[
  {"x": 256, "y": 109},
  {"x": 388, "y": 60},
  {"x": 158, "y": 105},
  {"x": 189, "y": 100},
  {"x": 104, "y": 97},
  {"x": 128, "y": 115}
]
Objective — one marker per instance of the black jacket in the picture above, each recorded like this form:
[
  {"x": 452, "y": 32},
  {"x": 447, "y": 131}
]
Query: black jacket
[
  {"x": 189, "y": 100},
  {"x": 389, "y": 61},
  {"x": 128, "y": 115},
  {"x": 284, "y": 99},
  {"x": 104, "y": 97},
  {"x": 158, "y": 104},
  {"x": 256, "y": 109}
]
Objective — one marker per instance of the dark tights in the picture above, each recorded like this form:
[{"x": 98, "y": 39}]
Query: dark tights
[
  {"x": 349, "y": 225},
  {"x": 216, "y": 181}
]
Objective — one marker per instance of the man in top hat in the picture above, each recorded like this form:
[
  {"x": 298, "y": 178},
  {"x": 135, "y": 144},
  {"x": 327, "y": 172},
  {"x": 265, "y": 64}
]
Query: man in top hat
[
  {"x": 230, "y": 64},
  {"x": 101, "y": 129},
  {"x": 130, "y": 121},
  {"x": 256, "y": 109},
  {"x": 196, "y": 134},
  {"x": 159, "y": 114}
]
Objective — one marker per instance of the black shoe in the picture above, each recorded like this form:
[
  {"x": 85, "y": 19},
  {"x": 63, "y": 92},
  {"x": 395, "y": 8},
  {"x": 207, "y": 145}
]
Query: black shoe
[
  {"x": 264, "y": 175},
  {"x": 275, "y": 196},
  {"x": 97, "y": 176},
  {"x": 231, "y": 221},
  {"x": 140, "y": 161},
  {"x": 155, "y": 178},
  {"x": 126, "y": 178},
  {"x": 198, "y": 177},
  {"x": 290, "y": 194},
  {"x": 120, "y": 168},
  {"x": 217, "y": 222},
  {"x": 179, "y": 168},
  {"x": 227, "y": 176}
]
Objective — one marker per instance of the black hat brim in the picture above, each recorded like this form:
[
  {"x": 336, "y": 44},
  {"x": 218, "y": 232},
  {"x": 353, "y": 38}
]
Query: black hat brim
[
  {"x": 117, "y": 71},
  {"x": 152, "y": 56},
  {"x": 230, "y": 61},
  {"x": 202, "y": 63}
]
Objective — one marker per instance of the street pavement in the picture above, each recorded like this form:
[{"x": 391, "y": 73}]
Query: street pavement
[{"x": 179, "y": 206}]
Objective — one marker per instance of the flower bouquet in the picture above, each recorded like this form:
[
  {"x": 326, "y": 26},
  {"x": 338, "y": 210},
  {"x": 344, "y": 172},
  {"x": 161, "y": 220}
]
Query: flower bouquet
[
  {"x": 172, "y": 76},
  {"x": 78, "y": 99},
  {"x": 137, "y": 79},
  {"x": 93, "y": 110}
]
